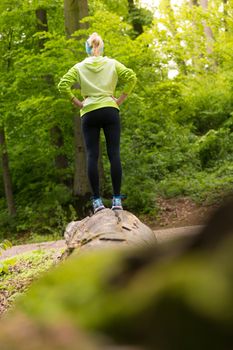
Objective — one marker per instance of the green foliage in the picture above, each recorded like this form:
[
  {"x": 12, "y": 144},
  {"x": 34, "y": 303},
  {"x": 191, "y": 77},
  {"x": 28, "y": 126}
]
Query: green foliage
[
  {"x": 204, "y": 186},
  {"x": 208, "y": 101},
  {"x": 176, "y": 132},
  {"x": 5, "y": 244},
  {"x": 4, "y": 265}
]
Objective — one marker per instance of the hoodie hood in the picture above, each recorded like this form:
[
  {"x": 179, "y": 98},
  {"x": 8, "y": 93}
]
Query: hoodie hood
[{"x": 95, "y": 63}]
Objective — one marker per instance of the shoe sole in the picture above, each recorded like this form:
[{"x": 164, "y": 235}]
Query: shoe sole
[
  {"x": 117, "y": 208},
  {"x": 98, "y": 209}
]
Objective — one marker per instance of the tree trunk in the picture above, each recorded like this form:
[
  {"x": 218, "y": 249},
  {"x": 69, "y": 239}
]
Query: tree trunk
[
  {"x": 173, "y": 28},
  {"x": 74, "y": 11},
  {"x": 57, "y": 140},
  {"x": 42, "y": 24},
  {"x": 137, "y": 26},
  {"x": 193, "y": 2},
  {"x": 115, "y": 227},
  {"x": 171, "y": 17},
  {"x": 81, "y": 184},
  {"x": 6, "y": 174},
  {"x": 225, "y": 14},
  {"x": 60, "y": 159},
  {"x": 3, "y": 147},
  {"x": 207, "y": 29}
]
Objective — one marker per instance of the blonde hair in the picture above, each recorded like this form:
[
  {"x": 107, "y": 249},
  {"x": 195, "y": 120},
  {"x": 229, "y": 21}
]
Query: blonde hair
[{"x": 96, "y": 44}]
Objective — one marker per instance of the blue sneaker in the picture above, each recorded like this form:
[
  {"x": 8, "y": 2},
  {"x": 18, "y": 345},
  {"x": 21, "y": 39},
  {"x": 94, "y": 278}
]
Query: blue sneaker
[
  {"x": 116, "y": 203},
  {"x": 97, "y": 204}
]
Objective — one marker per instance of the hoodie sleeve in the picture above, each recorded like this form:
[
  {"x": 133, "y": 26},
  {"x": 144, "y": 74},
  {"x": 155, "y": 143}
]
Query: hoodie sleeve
[
  {"x": 66, "y": 82},
  {"x": 127, "y": 76}
]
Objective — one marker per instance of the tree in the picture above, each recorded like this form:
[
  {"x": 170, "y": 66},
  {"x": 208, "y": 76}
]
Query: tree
[
  {"x": 207, "y": 29},
  {"x": 193, "y": 2},
  {"x": 138, "y": 17},
  {"x": 134, "y": 13},
  {"x": 74, "y": 11},
  {"x": 6, "y": 173},
  {"x": 225, "y": 14},
  {"x": 173, "y": 35},
  {"x": 61, "y": 161},
  {"x": 6, "y": 34}
]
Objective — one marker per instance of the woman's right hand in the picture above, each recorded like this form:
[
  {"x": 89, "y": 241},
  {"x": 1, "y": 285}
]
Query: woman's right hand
[{"x": 76, "y": 102}]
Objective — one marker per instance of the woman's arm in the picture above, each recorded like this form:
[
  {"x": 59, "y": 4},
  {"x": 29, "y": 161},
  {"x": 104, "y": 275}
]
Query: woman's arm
[
  {"x": 128, "y": 77},
  {"x": 67, "y": 81},
  {"x": 77, "y": 102}
]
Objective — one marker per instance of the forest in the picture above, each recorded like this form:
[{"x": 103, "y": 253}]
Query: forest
[{"x": 177, "y": 125}]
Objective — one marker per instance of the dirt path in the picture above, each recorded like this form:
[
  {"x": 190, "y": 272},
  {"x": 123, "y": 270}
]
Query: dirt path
[
  {"x": 23, "y": 248},
  {"x": 162, "y": 235},
  {"x": 170, "y": 233}
]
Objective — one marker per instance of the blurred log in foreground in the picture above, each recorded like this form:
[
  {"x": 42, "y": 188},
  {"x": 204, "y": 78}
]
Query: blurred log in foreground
[{"x": 172, "y": 296}]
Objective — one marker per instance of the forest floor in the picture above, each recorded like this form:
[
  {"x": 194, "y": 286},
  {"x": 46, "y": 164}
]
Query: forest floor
[{"x": 180, "y": 212}]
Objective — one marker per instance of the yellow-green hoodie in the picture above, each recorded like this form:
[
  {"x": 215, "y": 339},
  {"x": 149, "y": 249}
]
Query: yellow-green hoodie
[{"x": 97, "y": 77}]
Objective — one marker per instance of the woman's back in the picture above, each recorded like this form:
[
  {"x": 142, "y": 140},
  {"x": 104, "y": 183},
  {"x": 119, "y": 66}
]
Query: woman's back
[{"x": 97, "y": 76}]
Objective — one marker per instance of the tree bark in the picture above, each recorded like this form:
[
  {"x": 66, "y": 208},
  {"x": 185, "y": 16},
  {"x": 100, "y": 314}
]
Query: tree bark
[
  {"x": 137, "y": 26},
  {"x": 81, "y": 184},
  {"x": 74, "y": 11},
  {"x": 42, "y": 24},
  {"x": 173, "y": 28},
  {"x": 3, "y": 147},
  {"x": 57, "y": 140},
  {"x": 225, "y": 14},
  {"x": 108, "y": 227},
  {"x": 6, "y": 174},
  {"x": 193, "y": 2},
  {"x": 207, "y": 30}
]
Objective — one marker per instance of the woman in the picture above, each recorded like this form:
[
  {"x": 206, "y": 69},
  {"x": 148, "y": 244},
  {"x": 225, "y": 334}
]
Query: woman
[{"x": 98, "y": 77}]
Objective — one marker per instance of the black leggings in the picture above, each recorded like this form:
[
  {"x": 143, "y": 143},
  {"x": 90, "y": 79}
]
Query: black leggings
[{"x": 108, "y": 119}]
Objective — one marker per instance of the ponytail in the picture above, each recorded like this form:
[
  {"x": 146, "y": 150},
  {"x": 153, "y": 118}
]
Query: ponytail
[{"x": 94, "y": 45}]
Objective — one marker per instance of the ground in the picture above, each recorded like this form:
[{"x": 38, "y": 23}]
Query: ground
[
  {"x": 180, "y": 212},
  {"x": 24, "y": 268}
]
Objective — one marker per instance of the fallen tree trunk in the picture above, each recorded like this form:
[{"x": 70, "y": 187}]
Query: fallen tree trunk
[{"x": 108, "y": 227}]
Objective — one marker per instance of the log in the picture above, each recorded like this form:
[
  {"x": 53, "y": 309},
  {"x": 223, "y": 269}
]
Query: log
[{"x": 108, "y": 227}]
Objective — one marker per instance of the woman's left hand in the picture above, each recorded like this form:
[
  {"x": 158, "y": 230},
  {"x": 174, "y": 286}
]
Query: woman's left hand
[
  {"x": 115, "y": 99},
  {"x": 120, "y": 99}
]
